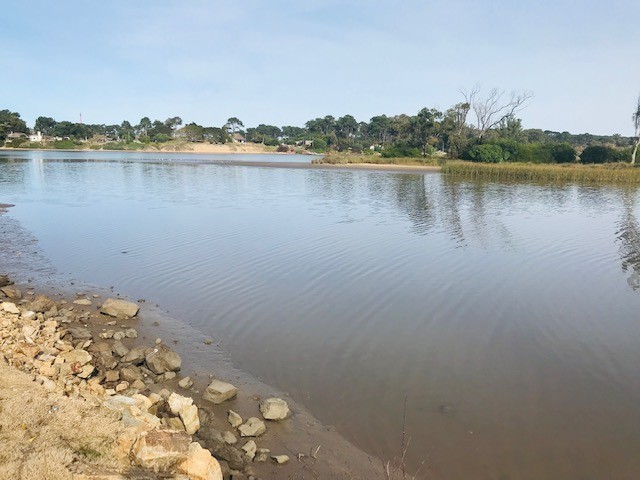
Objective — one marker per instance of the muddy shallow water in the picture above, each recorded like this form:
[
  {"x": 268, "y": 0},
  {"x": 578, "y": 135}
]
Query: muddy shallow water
[{"x": 505, "y": 315}]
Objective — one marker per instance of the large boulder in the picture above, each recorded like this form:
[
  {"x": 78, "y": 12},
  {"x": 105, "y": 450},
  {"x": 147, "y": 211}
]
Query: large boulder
[
  {"x": 274, "y": 409},
  {"x": 162, "y": 359},
  {"x": 217, "y": 392},
  {"x": 161, "y": 450},
  {"x": 200, "y": 464},
  {"x": 117, "y": 308}
]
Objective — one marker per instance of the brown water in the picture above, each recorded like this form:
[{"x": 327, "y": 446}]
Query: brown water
[{"x": 506, "y": 315}]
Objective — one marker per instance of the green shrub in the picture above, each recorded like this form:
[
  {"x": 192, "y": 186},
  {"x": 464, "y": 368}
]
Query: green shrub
[
  {"x": 399, "y": 150},
  {"x": 486, "y": 153},
  {"x": 319, "y": 145},
  {"x": 599, "y": 154}
]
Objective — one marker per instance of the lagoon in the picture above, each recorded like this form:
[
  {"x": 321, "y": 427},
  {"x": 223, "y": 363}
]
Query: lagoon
[{"x": 506, "y": 316}]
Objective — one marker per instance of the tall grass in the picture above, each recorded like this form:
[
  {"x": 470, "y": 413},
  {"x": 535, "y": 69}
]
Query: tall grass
[{"x": 607, "y": 173}]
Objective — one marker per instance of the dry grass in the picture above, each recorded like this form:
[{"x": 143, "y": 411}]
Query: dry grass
[
  {"x": 48, "y": 436},
  {"x": 608, "y": 173}
]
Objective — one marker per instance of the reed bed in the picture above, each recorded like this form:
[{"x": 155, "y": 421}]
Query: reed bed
[{"x": 607, "y": 173}]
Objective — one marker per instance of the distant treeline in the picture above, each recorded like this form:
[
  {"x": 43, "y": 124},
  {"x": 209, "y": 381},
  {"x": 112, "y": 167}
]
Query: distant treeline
[{"x": 479, "y": 129}]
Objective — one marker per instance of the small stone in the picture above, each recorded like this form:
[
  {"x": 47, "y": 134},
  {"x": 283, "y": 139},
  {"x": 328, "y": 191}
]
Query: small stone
[
  {"x": 162, "y": 359},
  {"x": 135, "y": 356},
  {"x": 262, "y": 455},
  {"x": 274, "y": 409},
  {"x": 108, "y": 334},
  {"x": 80, "y": 333},
  {"x": 208, "y": 341},
  {"x": 87, "y": 370},
  {"x": 76, "y": 356},
  {"x": 249, "y": 449},
  {"x": 185, "y": 382},
  {"x": 217, "y": 392},
  {"x": 229, "y": 438},
  {"x": 10, "y": 307},
  {"x": 82, "y": 301},
  {"x": 118, "y": 335},
  {"x": 112, "y": 376},
  {"x": 164, "y": 393},
  {"x": 131, "y": 333},
  {"x": 168, "y": 376},
  {"x": 280, "y": 459},
  {"x": 253, "y": 427},
  {"x": 122, "y": 386},
  {"x": 138, "y": 385},
  {"x": 234, "y": 419},
  {"x": 119, "y": 349}
]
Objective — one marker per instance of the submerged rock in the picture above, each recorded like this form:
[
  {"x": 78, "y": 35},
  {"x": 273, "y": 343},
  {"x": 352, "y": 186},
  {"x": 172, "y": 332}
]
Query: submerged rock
[{"x": 119, "y": 308}]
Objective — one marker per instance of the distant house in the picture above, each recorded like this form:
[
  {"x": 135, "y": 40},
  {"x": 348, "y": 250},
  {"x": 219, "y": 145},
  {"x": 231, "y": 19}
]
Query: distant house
[
  {"x": 14, "y": 136},
  {"x": 35, "y": 137},
  {"x": 237, "y": 138}
]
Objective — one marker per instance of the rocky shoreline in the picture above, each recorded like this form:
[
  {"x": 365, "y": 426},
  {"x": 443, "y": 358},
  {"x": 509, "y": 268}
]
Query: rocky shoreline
[{"x": 87, "y": 349}]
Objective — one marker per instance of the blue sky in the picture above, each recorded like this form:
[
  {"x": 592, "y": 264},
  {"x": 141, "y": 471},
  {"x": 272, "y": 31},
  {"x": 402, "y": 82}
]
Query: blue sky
[{"x": 285, "y": 62}]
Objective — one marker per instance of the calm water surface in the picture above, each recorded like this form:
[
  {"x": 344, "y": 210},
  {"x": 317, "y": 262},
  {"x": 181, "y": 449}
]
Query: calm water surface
[{"x": 506, "y": 315}]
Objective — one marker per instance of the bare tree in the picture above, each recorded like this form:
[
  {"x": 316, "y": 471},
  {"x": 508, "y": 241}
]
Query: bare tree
[
  {"x": 493, "y": 108},
  {"x": 636, "y": 124}
]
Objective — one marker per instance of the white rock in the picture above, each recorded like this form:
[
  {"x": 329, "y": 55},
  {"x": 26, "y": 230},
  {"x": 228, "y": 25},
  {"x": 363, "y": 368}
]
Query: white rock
[
  {"x": 280, "y": 459},
  {"x": 234, "y": 419},
  {"x": 250, "y": 449},
  {"x": 185, "y": 382},
  {"x": 253, "y": 427},
  {"x": 217, "y": 392},
  {"x": 200, "y": 464},
  {"x": 177, "y": 402},
  {"x": 274, "y": 409},
  {"x": 190, "y": 419},
  {"x": 82, "y": 301},
  {"x": 10, "y": 307},
  {"x": 119, "y": 308}
]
